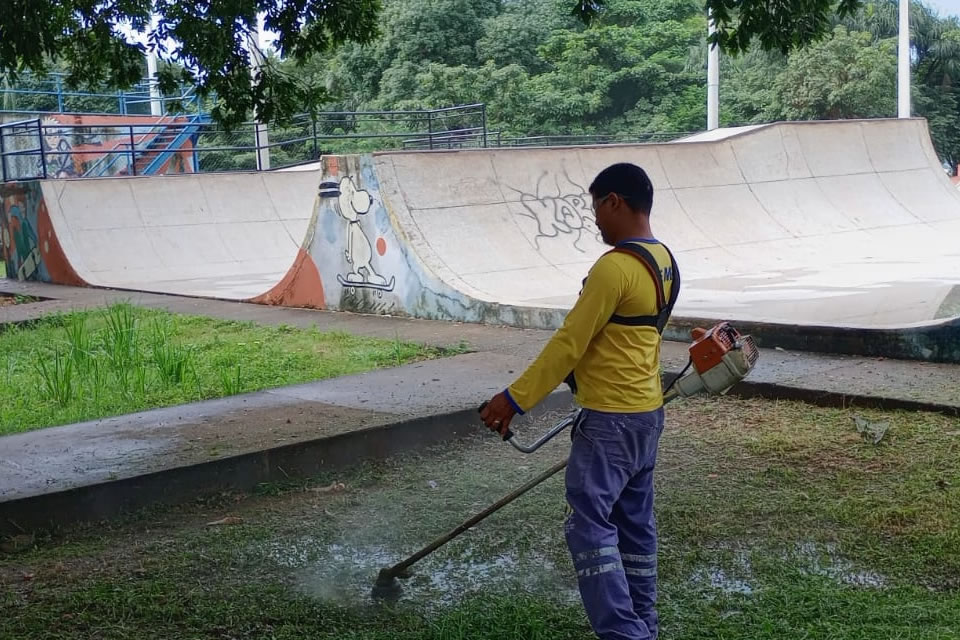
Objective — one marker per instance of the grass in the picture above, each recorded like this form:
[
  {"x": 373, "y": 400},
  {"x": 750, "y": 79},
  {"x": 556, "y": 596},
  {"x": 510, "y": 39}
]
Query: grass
[
  {"x": 777, "y": 520},
  {"x": 92, "y": 364}
]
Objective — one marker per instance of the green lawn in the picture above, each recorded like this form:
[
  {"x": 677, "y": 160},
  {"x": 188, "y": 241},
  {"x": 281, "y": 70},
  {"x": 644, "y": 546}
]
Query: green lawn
[
  {"x": 87, "y": 365},
  {"x": 778, "y": 521}
]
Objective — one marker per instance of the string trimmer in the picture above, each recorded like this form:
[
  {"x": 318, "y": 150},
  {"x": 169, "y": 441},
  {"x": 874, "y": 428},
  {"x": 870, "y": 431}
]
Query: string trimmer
[{"x": 720, "y": 358}]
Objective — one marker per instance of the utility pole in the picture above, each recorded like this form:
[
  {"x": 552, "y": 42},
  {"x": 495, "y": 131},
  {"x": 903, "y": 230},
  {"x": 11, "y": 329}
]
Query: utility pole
[
  {"x": 903, "y": 67},
  {"x": 156, "y": 105},
  {"x": 156, "y": 108},
  {"x": 260, "y": 136},
  {"x": 713, "y": 81}
]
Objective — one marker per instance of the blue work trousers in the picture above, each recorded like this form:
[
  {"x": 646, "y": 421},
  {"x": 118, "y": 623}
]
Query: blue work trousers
[{"x": 611, "y": 532}]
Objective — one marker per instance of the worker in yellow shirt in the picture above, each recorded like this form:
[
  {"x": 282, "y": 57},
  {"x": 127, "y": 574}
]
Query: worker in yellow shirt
[{"x": 608, "y": 350}]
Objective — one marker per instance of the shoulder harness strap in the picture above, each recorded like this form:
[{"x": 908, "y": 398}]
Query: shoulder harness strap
[{"x": 664, "y": 306}]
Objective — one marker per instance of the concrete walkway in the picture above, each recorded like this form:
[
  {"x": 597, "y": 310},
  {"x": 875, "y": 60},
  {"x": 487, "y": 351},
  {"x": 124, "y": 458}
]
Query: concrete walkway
[{"x": 235, "y": 441}]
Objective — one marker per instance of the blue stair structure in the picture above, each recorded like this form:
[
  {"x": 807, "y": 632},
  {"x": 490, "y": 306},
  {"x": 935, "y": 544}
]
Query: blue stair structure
[
  {"x": 162, "y": 146},
  {"x": 153, "y": 149}
]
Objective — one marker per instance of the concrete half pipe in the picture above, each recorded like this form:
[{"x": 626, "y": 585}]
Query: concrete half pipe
[{"x": 824, "y": 228}]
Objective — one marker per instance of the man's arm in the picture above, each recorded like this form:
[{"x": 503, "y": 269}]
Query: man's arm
[{"x": 598, "y": 301}]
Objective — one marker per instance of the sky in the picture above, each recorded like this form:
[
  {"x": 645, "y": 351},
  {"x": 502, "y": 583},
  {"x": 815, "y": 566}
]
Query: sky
[{"x": 945, "y": 7}]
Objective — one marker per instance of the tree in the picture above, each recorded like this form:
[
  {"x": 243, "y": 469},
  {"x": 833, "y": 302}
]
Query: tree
[
  {"x": 847, "y": 76},
  {"x": 782, "y": 25},
  {"x": 513, "y": 36},
  {"x": 208, "y": 41}
]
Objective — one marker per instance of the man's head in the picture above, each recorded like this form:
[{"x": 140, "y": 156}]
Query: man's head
[{"x": 622, "y": 198}]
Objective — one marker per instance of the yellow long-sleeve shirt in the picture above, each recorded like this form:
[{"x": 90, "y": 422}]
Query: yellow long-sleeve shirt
[{"x": 617, "y": 367}]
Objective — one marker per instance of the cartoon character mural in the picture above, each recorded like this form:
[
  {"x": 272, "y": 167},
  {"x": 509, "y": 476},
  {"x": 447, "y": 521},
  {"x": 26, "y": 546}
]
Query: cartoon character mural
[{"x": 351, "y": 203}]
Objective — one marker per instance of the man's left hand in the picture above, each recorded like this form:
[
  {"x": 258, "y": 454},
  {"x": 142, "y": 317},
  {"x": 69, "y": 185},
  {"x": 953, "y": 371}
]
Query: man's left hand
[{"x": 498, "y": 413}]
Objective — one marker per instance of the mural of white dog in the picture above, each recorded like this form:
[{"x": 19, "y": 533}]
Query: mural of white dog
[{"x": 353, "y": 202}]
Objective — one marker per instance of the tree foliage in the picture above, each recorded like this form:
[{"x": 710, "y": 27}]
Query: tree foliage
[
  {"x": 782, "y": 25},
  {"x": 209, "y": 42},
  {"x": 616, "y": 67}
]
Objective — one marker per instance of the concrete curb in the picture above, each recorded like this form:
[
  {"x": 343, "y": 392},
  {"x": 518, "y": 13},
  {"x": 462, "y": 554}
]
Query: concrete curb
[
  {"x": 820, "y": 398},
  {"x": 935, "y": 342},
  {"x": 244, "y": 472},
  {"x": 301, "y": 460}
]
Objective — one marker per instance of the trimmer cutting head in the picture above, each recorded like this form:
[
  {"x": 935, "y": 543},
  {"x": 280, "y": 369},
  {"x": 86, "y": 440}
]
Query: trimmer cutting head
[{"x": 387, "y": 587}]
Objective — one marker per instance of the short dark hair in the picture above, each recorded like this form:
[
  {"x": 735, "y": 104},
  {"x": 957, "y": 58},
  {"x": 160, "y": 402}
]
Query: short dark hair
[{"x": 628, "y": 181}]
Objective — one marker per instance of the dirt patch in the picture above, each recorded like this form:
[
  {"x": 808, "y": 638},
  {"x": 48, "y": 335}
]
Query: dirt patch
[{"x": 255, "y": 429}]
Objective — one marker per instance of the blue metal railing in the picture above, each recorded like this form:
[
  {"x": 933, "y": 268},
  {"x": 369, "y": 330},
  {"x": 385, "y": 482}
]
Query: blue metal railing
[
  {"x": 107, "y": 162},
  {"x": 138, "y": 95},
  {"x": 186, "y": 132}
]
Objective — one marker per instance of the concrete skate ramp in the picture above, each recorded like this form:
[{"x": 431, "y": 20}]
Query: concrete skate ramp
[
  {"x": 840, "y": 236},
  {"x": 231, "y": 236},
  {"x": 843, "y": 223}
]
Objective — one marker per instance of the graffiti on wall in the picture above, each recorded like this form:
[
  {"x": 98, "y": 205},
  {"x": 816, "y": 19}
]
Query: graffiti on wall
[
  {"x": 560, "y": 210},
  {"x": 365, "y": 266},
  {"x": 351, "y": 203},
  {"x": 30, "y": 249},
  {"x": 58, "y": 151},
  {"x": 18, "y": 235}
]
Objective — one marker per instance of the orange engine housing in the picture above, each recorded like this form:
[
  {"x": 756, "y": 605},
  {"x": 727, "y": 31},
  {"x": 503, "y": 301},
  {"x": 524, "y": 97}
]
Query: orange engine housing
[{"x": 711, "y": 345}]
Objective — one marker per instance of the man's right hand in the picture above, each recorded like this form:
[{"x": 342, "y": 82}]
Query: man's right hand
[{"x": 498, "y": 413}]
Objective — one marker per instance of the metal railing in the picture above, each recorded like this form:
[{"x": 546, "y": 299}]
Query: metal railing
[
  {"x": 587, "y": 139},
  {"x": 31, "y": 149},
  {"x": 34, "y": 149},
  {"x": 52, "y": 95}
]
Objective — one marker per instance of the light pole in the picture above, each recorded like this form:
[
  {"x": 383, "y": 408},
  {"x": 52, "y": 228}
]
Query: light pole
[
  {"x": 903, "y": 66},
  {"x": 713, "y": 81},
  {"x": 260, "y": 135}
]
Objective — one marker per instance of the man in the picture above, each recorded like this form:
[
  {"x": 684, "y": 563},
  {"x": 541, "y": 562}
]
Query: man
[{"x": 610, "y": 340}]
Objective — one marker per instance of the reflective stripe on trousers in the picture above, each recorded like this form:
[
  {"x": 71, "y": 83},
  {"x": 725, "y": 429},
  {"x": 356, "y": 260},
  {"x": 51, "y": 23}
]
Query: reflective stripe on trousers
[{"x": 611, "y": 532}]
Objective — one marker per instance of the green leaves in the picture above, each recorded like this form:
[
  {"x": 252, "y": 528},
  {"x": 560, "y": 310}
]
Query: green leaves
[
  {"x": 210, "y": 44},
  {"x": 847, "y": 76},
  {"x": 782, "y": 25}
]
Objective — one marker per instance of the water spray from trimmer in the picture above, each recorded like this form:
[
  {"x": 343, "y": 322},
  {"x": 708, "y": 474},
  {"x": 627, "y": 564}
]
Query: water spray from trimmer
[{"x": 720, "y": 357}]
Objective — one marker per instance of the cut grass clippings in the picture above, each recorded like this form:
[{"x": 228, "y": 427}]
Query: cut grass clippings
[
  {"x": 778, "y": 521},
  {"x": 93, "y": 364},
  {"x": 10, "y": 300}
]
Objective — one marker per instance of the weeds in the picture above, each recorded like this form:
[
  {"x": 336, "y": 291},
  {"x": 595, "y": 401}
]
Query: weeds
[
  {"x": 79, "y": 338},
  {"x": 173, "y": 360},
  {"x": 78, "y": 366},
  {"x": 229, "y": 383},
  {"x": 57, "y": 377}
]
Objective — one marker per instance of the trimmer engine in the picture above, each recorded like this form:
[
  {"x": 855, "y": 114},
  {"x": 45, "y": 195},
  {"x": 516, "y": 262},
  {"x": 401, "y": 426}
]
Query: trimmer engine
[{"x": 720, "y": 357}]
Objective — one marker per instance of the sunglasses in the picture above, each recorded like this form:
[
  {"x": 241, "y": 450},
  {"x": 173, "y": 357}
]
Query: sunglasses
[{"x": 597, "y": 203}]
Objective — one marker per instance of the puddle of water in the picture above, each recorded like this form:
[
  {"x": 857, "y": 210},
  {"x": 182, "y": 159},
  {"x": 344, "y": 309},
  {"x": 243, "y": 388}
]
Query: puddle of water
[
  {"x": 732, "y": 580},
  {"x": 825, "y": 560},
  {"x": 808, "y": 557},
  {"x": 344, "y": 574}
]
